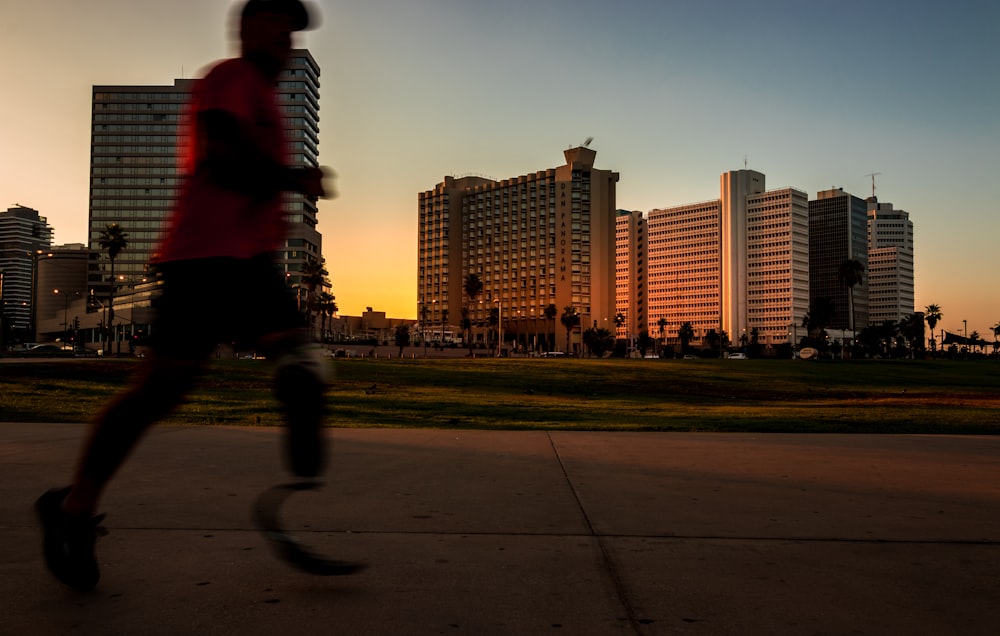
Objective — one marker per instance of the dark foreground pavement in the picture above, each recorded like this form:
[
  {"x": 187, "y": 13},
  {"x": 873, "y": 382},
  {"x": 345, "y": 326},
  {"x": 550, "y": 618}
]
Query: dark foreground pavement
[{"x": 525, "y": 533}]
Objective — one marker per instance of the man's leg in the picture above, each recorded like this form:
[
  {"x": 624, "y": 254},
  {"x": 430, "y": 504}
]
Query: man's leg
[
  {"x": 300, "y": 378},
  {"x": 159, "y": 388},
  {"x": 67, "y": 515}
]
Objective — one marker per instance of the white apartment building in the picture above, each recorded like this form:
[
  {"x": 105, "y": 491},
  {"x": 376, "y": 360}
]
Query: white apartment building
[
  {"x": 890, "y": 263},
  {"x": 777, "y": 282},
  {"x": 631, "y": 245},
  {"x": 739, "y": 263},
  {"x": 685, "y": 267}
]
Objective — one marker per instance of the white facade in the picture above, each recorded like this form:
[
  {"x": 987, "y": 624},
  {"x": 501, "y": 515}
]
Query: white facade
[
  {"x": 630, "y": 273},
  {"x": 736, "y": 187},
  {"x": 890, "y": 263},
  {"x": 777, "y": 269},
  {"x": 738, "y": 263},
  {"x": 685, "y": 268}
]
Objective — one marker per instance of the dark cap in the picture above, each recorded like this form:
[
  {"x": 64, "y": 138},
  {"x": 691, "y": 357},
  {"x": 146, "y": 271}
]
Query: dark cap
[{"x": 295, "y": 9}]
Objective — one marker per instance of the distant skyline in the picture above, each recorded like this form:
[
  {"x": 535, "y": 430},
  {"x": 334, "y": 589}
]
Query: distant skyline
[{"x": 673, "y": 93}]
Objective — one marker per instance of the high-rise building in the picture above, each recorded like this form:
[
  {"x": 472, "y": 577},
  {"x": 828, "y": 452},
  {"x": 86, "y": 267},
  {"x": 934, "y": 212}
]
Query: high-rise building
[
  {"x": 23, "y": 233},
  {"x": 737, "y": 264},
  {"x": 838, "y": 232},
  {"x": 890, "y": 263},
  {"x": 777, "y": 280},
  {"x": 133, "y": 172},
  {"x": 134, "y": 167},
  {"x": 630, "y": 274},
  {"x": 685, "y": 267},
  {"x": 535, "y": 240}
]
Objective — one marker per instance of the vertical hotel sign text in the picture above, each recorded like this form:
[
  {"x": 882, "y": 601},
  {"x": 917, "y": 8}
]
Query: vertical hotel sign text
[{"x": 563, "y": 230}]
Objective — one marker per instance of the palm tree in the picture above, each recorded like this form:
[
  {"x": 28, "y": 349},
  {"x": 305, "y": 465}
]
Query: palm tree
[
  {"x": 685, "y": 333},
  {"x": 114, "y": 241},
  {"x": 327, "y": 307},
  {"x": 467, "y": 328},
  {"x": 818, "y": 317},
  {"x": 570, "y": 319},
  {"x": 473, "y": 287},
  {"x": 912, "y": 329},
  {"x": 550, "y": 314},
  {"x": 599, "y": 341},
  {"x": 313, "y": 277},
  {"x": 887, "y": 335},
  {"x": 932, "y": 314},
  {"x": 712, "y": 339},
  {"x": 851, "y": 273},
  {"x": 662, "y": 324},
  {"x": 975, "y": 341}
]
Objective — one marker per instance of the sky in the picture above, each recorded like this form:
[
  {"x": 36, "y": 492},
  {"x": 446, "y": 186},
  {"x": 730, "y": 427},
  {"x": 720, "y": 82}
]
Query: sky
[{"x": 814, "y": 95}]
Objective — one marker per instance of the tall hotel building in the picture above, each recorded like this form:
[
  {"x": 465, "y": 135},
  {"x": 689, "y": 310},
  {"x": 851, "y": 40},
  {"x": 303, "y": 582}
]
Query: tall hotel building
[
  {"x": 838, "y": 232},
  {"x": 630, "y": 274},
  {"x": 134, "y": 168},
  {"x": 738, "y": 263},
  {"x": 535, "y": 240},
  {"x": 890, "y": 263}
]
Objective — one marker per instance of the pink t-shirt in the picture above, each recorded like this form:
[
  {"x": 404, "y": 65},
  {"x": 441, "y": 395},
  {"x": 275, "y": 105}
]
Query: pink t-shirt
[{"x": 208, "y": 219}]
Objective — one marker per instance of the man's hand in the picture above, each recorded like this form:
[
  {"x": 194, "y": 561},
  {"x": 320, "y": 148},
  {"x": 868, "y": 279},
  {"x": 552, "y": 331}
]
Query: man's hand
[{"x": 309, "y": 181}]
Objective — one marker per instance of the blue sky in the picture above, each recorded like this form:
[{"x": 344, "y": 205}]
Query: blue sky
[{"x": 674, "y": 93}]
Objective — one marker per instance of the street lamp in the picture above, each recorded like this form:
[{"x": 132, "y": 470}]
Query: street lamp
[
  {"x": 499, "y": 303},
  {"x": 65, "y": 296},
  {"x": 434, "y": 317}
]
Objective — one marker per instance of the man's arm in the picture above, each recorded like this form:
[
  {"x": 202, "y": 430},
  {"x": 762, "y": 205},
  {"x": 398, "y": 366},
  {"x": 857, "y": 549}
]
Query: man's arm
[{"x": 234, "y": 161}]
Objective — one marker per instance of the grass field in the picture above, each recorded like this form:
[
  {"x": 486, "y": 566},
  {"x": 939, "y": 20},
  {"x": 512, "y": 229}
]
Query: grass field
[{"x": 639, "y": 395}]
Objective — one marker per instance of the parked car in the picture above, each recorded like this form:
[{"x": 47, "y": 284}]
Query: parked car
[
  {"x": 737, "y": 356},
  {"x": 551, "y": 354},
  {"x": 48, "y": 351}
]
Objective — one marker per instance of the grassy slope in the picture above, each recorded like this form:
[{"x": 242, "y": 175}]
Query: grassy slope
[{"x": 710, "y": 395}]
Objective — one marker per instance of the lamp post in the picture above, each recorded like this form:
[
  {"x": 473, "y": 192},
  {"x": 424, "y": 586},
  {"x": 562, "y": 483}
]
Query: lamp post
[
  {"x": 499, "y": 303},
  {"x": 65, "y": 308},
  {"x": 434, "y": 317},
  {"x": 423, "y": 324},
  {"x": 534, "y": 322}
]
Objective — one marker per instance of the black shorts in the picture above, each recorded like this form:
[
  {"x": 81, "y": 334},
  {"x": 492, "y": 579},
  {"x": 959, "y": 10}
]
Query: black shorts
[{"x": 206, "y": 302}]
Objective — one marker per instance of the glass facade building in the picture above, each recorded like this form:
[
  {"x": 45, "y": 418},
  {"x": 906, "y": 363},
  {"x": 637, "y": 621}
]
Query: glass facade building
[{"x": 135, "y": 172}]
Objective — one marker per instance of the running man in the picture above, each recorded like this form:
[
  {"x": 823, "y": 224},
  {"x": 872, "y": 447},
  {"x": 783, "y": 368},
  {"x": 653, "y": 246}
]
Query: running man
[{"x": 226, "y": 225}]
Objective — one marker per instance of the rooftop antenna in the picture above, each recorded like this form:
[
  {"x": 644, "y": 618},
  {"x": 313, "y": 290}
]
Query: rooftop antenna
[
  {"x": 744, "y": 162},
  {"x": 873, "y": 175},
  {"x": 587, "y": 142}
]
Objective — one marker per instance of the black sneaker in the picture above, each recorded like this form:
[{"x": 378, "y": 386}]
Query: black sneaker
[
  {"x": 302, "y": 396},
  {"x": 68, "y": 542}
]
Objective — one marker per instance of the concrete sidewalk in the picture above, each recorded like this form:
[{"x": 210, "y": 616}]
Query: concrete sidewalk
[{"x": 471, "y": 532}]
